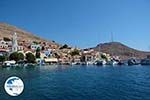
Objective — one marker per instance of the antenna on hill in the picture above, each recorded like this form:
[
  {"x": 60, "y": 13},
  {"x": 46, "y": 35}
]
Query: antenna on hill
[
  {"x": 112, "y": 40},
  {"x": 99, "y": 48},
  {"x": 112, "y": 37}
]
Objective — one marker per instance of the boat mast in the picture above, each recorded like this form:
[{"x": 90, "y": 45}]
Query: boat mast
[{"x": 112, "y": 38}]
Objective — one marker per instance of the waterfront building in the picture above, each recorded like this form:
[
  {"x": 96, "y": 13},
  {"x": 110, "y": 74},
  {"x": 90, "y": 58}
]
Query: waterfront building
[
  {"x": 76, "y": 58},
  {"x": 90, "y": 55},
  {"x": 65, "y": 58},
  {"x": 20, "y": 48},
  {"x": 51, "y": 60}
]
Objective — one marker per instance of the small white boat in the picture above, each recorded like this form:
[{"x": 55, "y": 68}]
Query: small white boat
[
  {"x": 89, "y": 63},
  {"x": 9, "y": 63},
  {"x": 73, "y": 63},
  {"x": 112, "y": 62}
]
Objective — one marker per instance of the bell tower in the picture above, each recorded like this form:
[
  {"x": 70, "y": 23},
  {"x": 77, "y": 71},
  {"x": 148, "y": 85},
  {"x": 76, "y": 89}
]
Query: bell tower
[{"x": 14, "y": 43}]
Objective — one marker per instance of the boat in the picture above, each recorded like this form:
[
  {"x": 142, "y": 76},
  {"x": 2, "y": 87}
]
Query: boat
[
  {"x": 145, "y": 62},
  {"x": 112, "y": 62},
  {"x": 100, "y": 62},
  {"x": 76, "y": 63},
  {"x": 11, "y": 63},
  {"x": 29, "y": 65},
  {"x": 132, "y": 61},
  {"x": 121, "y": 63},
  {"x": 89, "y": 63}
]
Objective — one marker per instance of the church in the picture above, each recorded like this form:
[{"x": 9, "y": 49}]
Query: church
[{"x": 15, "y": 46}]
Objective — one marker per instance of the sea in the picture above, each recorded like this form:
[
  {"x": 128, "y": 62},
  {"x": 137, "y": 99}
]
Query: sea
[{"x": 78, "y": 82}]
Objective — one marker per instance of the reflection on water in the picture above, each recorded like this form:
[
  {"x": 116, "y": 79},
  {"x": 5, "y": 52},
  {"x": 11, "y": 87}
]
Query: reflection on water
[{"x": 80, "y": 82}]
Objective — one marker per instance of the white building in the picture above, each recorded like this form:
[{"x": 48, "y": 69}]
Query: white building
[
  {"x": 15, "y": 46},
  {"x": 35, "y": 46},
  {"x": 14, "y": 43},
  {"x": 3, "y": 44}
]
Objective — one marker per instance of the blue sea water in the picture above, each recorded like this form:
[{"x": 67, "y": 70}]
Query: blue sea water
[{"x": 80, "y": 83}]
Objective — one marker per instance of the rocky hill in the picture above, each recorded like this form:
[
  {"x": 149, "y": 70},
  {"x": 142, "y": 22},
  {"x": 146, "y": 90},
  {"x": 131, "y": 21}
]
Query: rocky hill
[
  {"x": 119, "y": 49},
  {"x": 7, "y": 30}
]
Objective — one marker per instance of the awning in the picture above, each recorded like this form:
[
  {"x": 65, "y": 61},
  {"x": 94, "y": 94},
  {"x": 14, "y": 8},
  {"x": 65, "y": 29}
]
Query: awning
[{"x": 51, "y": 60}]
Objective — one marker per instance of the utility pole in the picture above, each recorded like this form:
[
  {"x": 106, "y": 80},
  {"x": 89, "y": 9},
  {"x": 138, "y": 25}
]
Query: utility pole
[
  {"x": 99, "y": 48},
  {"x": 112, "y": 37},
  {"x": 112, "y": 40}
]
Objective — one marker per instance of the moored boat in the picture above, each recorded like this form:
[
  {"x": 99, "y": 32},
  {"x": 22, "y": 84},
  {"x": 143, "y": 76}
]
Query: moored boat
[
  {"x": 112, "y": 62},
  {"x": 133, "y": 61},
  {"x": 145, "y": 62},
  {"x": 100, "y": 62},
  {"x": 11, "y": 63}
]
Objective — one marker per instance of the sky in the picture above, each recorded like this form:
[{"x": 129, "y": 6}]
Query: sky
[{"x": 82, "y": 23}]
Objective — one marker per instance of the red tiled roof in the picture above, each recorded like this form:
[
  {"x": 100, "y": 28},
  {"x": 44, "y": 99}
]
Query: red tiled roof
[{"x": 3, "y": 50}]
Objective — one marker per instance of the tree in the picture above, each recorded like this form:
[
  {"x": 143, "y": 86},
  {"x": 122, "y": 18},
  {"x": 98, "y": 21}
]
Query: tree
[
  {"x": 30, "y": 58},
  {"x": 20, "y": 56},
  {"x": 3, "y": 58},
  {"x": 64, "y": 46},
  {"x": 104, "y": 57},
  {"x": 53, "y": 41},
  {"x": 35, "y": 42},
  {"x": 43, "y": 48},
  {"x": 6, "y": 39},
  {"x": 56, "y": 55},
  {"x": 38, "y": 54},
  {"x": 16, "y": 56},
  {"x": 75, "y": 52}
]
